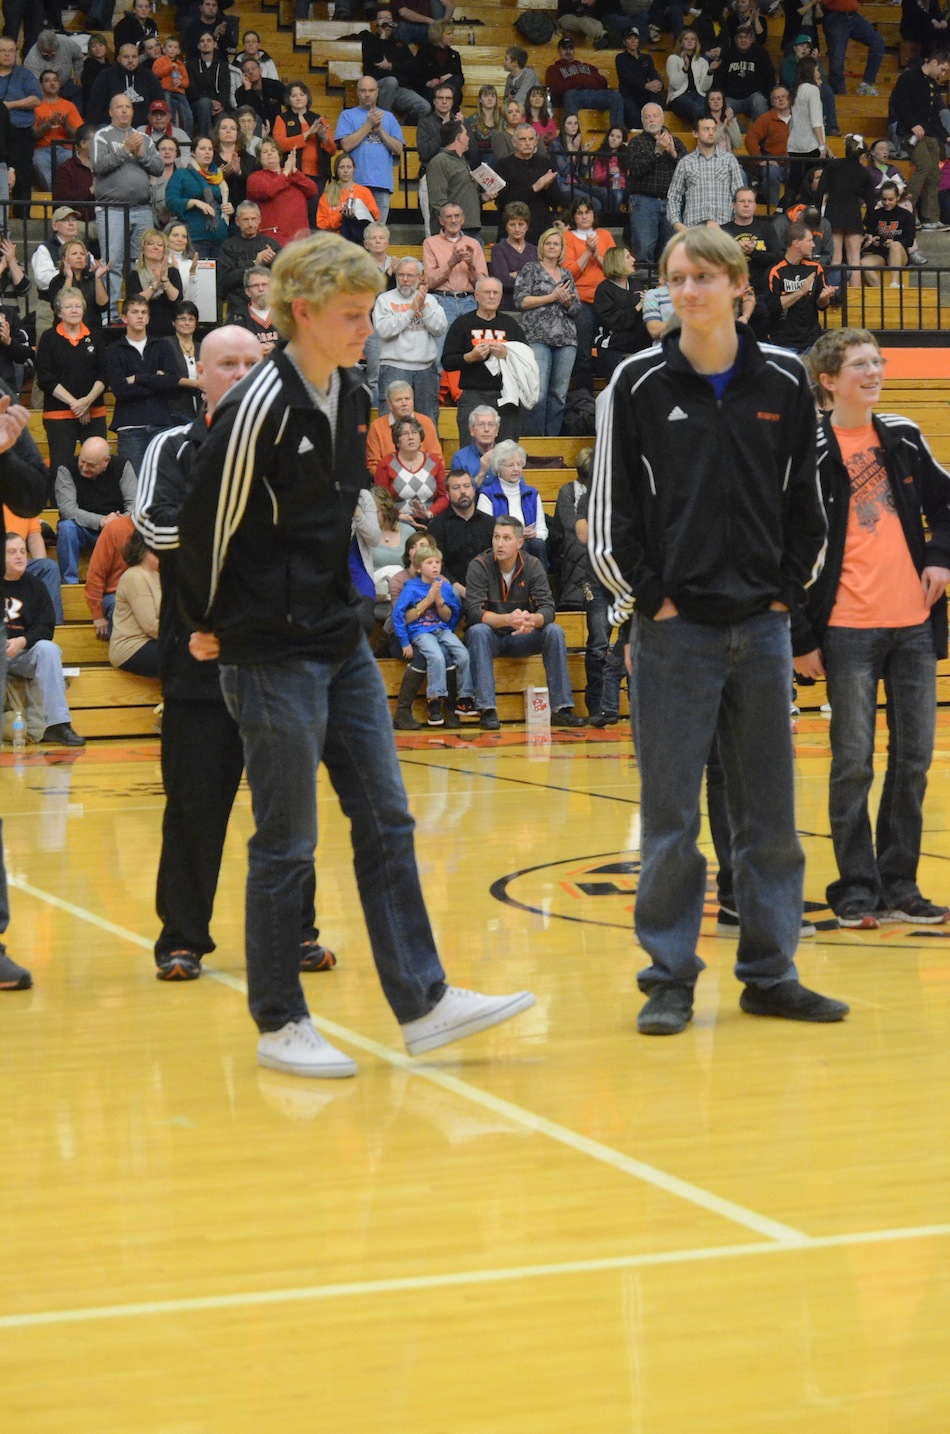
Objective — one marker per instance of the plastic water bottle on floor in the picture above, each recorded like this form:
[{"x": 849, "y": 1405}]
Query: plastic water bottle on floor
[{"x": 19, "y": 732}]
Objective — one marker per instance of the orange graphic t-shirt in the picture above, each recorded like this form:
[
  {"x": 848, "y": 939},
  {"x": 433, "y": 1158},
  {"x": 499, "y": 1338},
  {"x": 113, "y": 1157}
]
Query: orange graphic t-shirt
[{"x": 879, "y": 587}]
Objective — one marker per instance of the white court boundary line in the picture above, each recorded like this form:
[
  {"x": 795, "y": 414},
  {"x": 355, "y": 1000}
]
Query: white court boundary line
[
  {"x": 459, "y": 1278},
  {"x": 648, "y": 1174}
]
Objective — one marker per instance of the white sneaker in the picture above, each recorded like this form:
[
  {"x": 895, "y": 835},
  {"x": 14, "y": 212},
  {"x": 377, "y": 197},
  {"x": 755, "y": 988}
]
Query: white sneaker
[
  {"x": 299, "y": 1049},
  {"x": 459, "y": 1014},
  {"x": 865, "y": 89}
]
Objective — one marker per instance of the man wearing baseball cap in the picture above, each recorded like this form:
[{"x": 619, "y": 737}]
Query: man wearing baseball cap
[
  {"x": 46, "y": 257},
  {"x": 637, "y": 77},
  {"x": 160, "y": 126},
  {"x": 578, "y": 86}
]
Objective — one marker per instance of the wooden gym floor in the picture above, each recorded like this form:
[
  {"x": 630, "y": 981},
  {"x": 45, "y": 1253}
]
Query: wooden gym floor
[{"x": 559, "y": 1226}]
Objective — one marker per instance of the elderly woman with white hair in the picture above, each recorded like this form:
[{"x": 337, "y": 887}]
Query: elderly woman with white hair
[{"x": 505, "y": 492}]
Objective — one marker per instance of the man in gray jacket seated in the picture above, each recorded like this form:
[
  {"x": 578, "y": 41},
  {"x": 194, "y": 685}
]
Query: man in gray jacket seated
[
  {"x": 509, "y": 610},
  {"x": 122, "y": 160},
  {"x": 95, "y": 489}
]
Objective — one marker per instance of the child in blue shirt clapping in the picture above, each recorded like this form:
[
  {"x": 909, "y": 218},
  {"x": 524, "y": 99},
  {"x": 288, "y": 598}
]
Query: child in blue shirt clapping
[{"x": 426, "y": 611}]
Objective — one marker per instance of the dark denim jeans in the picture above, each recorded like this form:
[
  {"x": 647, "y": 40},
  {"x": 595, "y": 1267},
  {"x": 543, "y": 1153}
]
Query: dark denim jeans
[
  {"x": 485, "y": 643},
  {"x": 842, "y": 26},
  {"x": 691, "y": 682},
  {"x": 293, "y": 716},
  {"x": 855, "y": 661},
  {"x": 650, "y": 226}
]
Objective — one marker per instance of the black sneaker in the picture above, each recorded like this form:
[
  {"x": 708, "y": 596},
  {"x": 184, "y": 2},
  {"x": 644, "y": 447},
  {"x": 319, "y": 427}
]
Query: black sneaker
[
  {"x": 489, "y": 720},
  {"x": 63, "y": 735},
  {"x": 435, "y": 713},
  {"x": 314, "y": 957},
  {"x": 668, "y": 1010},
  {"x": 915, "y": 911},
  {"x": 465, "y": 707},
  {"x": 791, "y": 1001},
  {"x": 179, "y": 966},
  {"x": 567, "y": 717},
  {"x": 727, "y": 925},
  {"x": 858, "y": 916},
  {"x": 12, "y": 976},
  {"x": 604, "y": 719}
]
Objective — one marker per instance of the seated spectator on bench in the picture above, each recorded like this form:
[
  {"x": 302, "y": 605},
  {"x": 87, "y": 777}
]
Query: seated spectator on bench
[
  {"x": 38, "y": 564},
  {"x": 510, "y": 613},
  {"x": 91, "y": 492},
  {"x": 106, "y": 567},
  {"x": 505, "y": 492},
  {"x": 460, "y": 531},
  {"x": 890, "y": 234},
  {"x": 400, "y": 403},
  {"x": 133, "y": 646},
  {"x": 31, "y": 651},
  {"x": 424, "y": 619},
  {"x": 394, "y": 534},
  {"x": 484, "y": 425},
  {"x": 415, "y": 479}
]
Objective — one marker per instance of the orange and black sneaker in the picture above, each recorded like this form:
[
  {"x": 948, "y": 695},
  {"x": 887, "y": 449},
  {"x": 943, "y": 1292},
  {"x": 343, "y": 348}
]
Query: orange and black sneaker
[
  {"x": 314, "y": 957},
  {"x": 179, "y": 966}
]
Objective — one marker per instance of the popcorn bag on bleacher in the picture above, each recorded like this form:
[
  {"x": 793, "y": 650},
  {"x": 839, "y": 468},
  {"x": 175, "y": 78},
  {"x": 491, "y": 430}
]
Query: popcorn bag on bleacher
[{"x": 537, "y": 709}]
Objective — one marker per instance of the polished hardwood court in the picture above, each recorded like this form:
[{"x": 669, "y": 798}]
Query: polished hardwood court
[{"x": 559, "y": 1227}]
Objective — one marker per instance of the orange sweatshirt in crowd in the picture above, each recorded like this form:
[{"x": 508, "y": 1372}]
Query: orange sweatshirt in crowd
[
  {"x": 586, "y": 279},
  {"x": 106, "y": 565}
]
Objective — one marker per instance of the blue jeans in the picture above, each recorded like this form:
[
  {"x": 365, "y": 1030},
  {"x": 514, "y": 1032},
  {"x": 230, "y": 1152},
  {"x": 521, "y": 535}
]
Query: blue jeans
[
  {"x": 424, "y": 383},
  {"x": 442, "y": 650},
  {"x": 71, "y": 540},
  {"x": 753, "y": 105},
  {"x": 486, "y": 643},
  {"x": 839, "y": 29},
  {"x": 49, "y": 575},
  {"x": 452, "y": 305},
  {"x": 43, "y": 664},
  {"x": 131, "y": 443},
  {"x": 609, "y": 100},
  {"x": 43, "y": 161},
  {"x": 120, "y": 235},
  {"x": 690, "y": 105},
  {"x": 394, "y": 96},
  {"x": 384, "y": 198},
  {"x": 555, "y": 367},
  {"x": 855, "y": 661},
  {"x": 667, "y": 14},
  {"x": 293, "y": 716},
  {"x": 692, "y": 682},
  {"x": 650, "y": 226}
]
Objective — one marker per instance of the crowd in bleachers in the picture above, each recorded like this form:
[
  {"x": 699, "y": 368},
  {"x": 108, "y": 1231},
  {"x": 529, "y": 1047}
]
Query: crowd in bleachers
[{"x": 164, "y": 149}]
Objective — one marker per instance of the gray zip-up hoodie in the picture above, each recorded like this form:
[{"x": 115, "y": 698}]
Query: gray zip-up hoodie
[{"x": 121, "y": 177}]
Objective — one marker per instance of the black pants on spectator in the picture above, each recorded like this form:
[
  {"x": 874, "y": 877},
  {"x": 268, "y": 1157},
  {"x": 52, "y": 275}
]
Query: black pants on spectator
[
  {"x": 64, "y": 436},
  {"x": 202, "y": 765},
  {"x": 21, "y": 159},
  {"x": 144, "y": 662}
]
